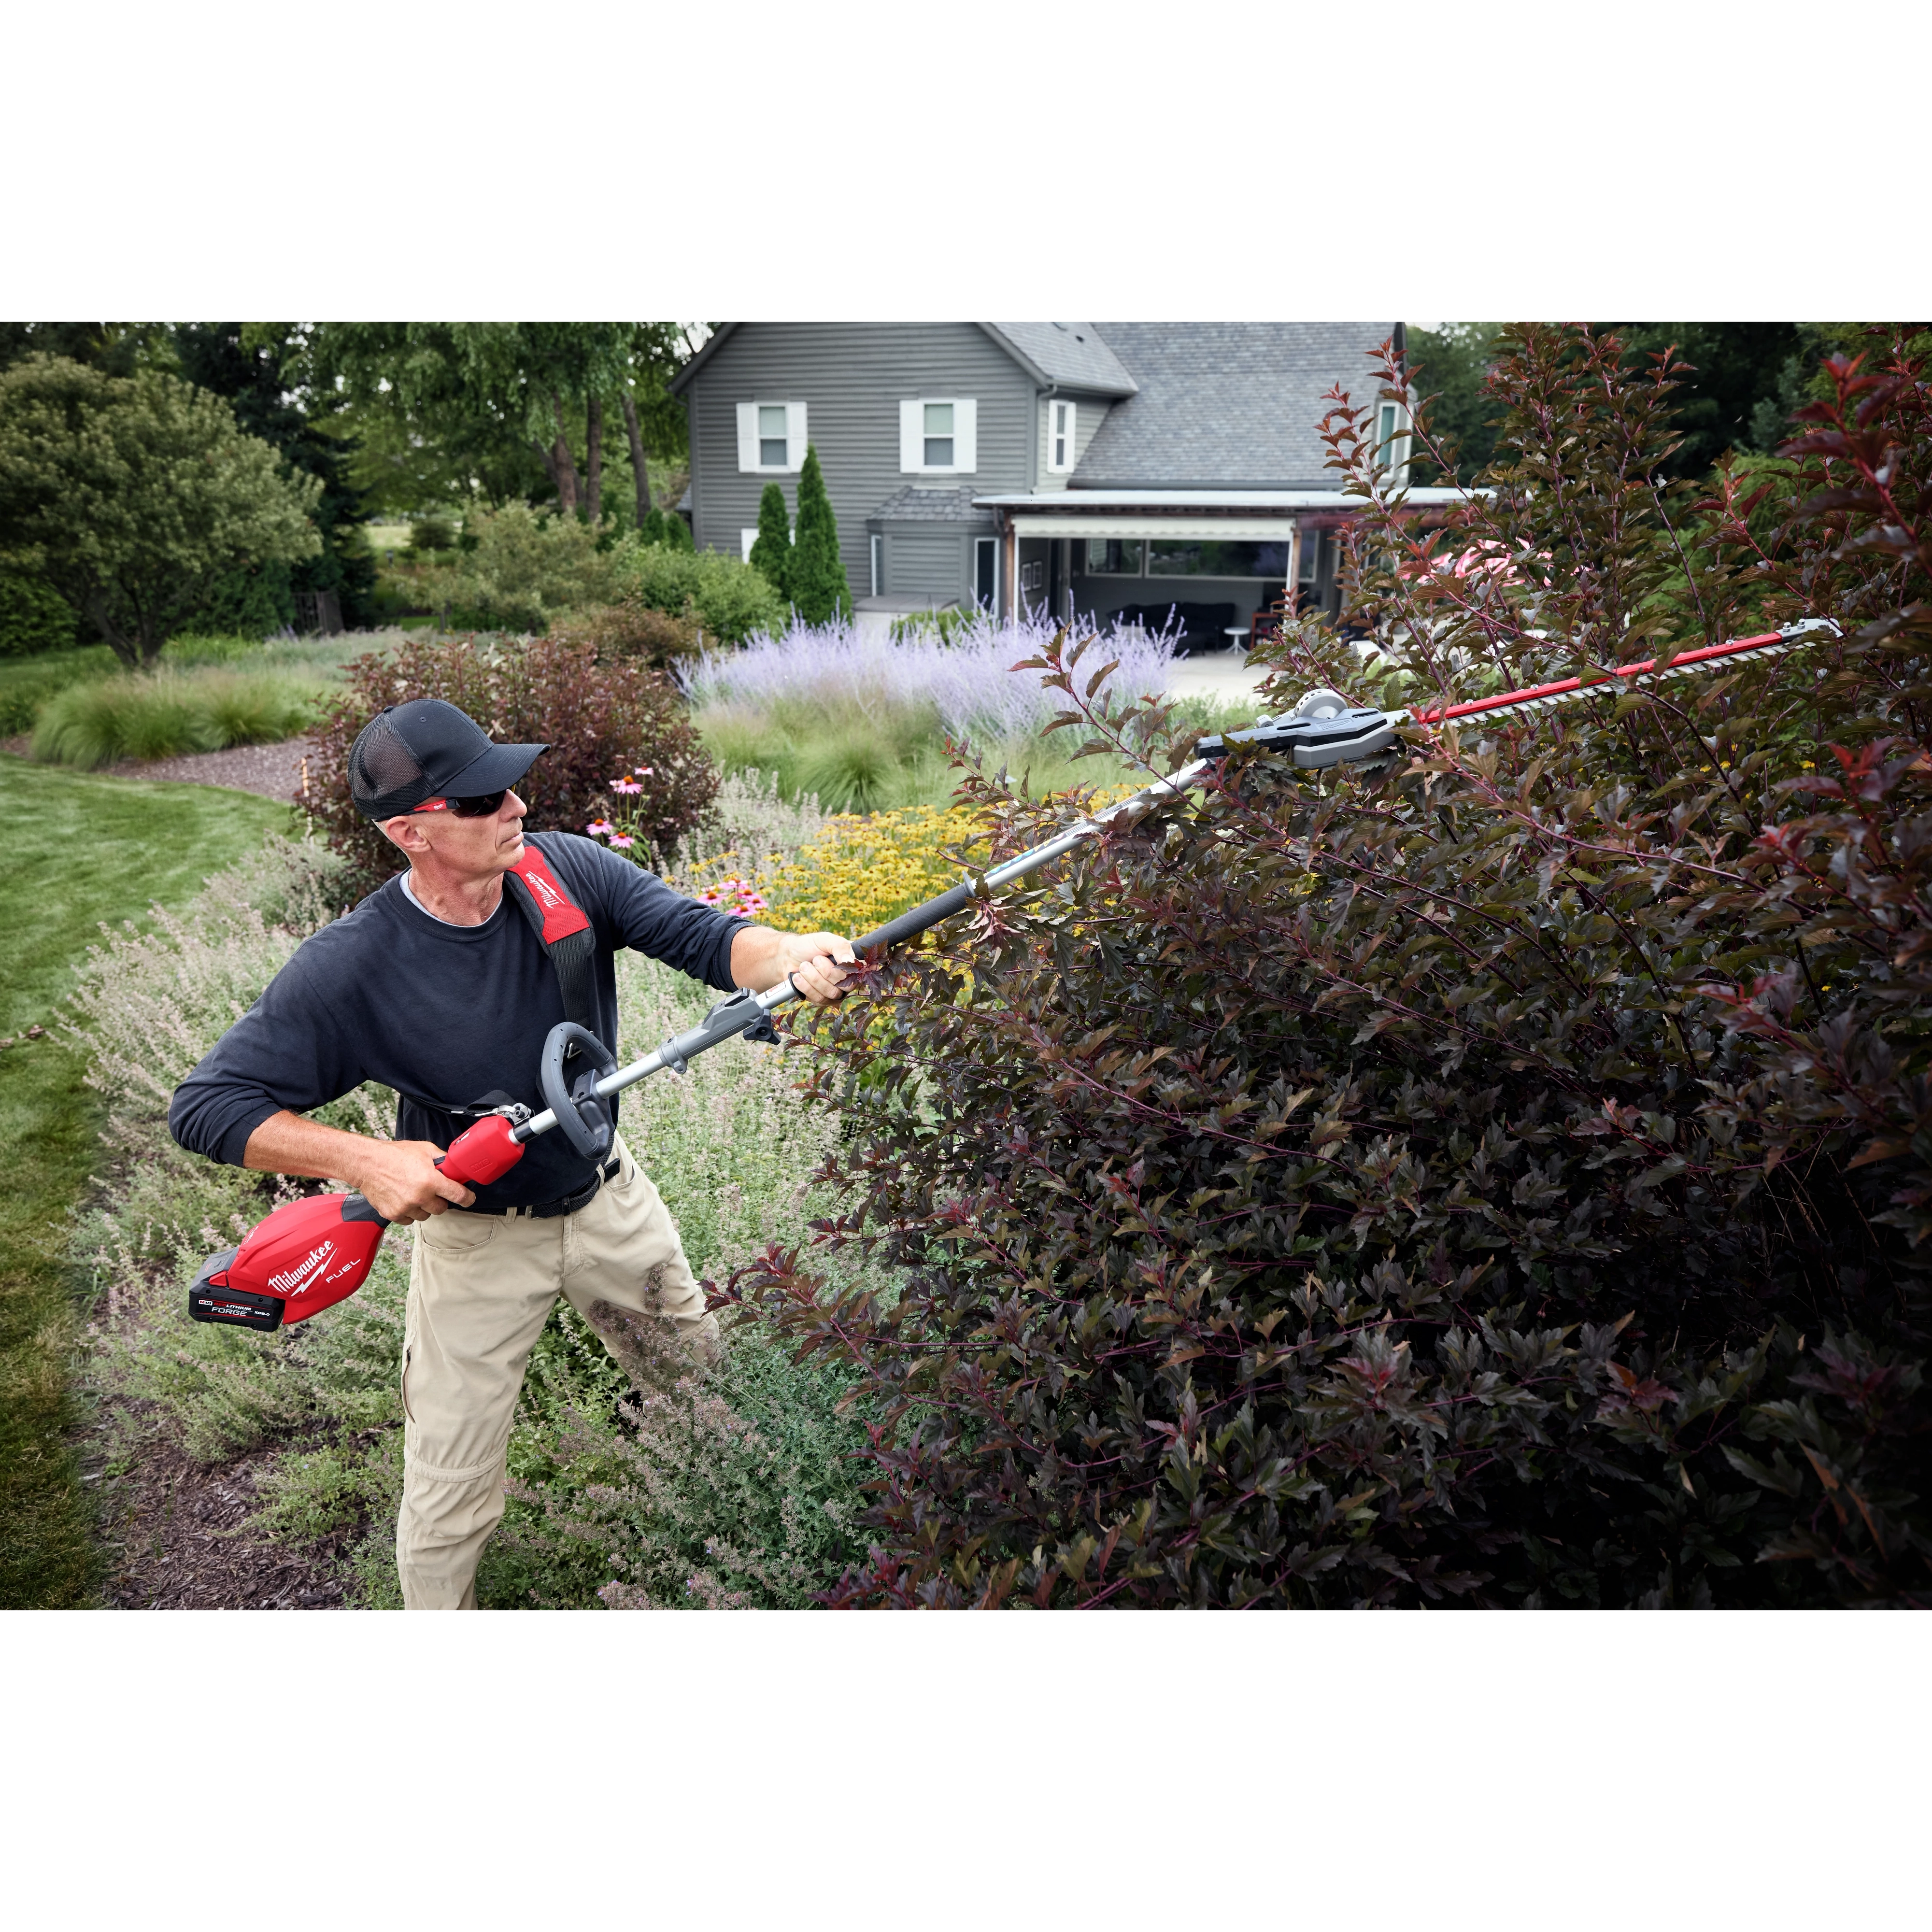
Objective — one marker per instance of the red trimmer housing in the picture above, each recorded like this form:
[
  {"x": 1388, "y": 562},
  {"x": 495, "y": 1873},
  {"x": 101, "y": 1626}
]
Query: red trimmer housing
[{"x": 309, "y": 1254}]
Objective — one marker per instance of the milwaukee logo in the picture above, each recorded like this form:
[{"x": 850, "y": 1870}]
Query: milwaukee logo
[
  {"x": 292, "y": 1280},
  {"x": 544, "y": 890}
]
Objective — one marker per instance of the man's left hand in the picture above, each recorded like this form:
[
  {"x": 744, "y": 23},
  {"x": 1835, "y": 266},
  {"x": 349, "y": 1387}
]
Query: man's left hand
[
  {"x": 814, "y": 961},
  {"x": 761, "y": 958}
]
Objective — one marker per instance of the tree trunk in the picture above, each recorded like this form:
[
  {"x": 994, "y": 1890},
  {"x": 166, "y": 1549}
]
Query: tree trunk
[
  {"x": 565, "y": 470},
  {"x": 593, "y": 461},
  {"x": 640, "y": 469},
  {"x": 127, "y": 649},
  {"x": 548, "y": 459}
]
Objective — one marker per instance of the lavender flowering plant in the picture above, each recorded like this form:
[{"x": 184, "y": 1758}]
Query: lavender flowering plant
[{"x": 970, "y": 682}]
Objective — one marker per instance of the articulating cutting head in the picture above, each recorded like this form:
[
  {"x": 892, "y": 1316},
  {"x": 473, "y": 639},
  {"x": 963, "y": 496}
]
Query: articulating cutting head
[{"x": 1324, "y": 729}]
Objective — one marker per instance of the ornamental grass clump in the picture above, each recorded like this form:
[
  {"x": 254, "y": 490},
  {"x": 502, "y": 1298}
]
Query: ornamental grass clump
[
  {"x": 1501, "y": 1179},
  {"x": 165, "y": 714}
]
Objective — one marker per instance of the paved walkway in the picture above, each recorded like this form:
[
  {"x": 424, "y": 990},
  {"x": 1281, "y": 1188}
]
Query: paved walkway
[
  {"x": 274, "y": 771},
  {"x": 1227, "y": 676}
]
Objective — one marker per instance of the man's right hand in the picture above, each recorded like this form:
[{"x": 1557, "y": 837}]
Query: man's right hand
[{"x": 399, "y": 1179}]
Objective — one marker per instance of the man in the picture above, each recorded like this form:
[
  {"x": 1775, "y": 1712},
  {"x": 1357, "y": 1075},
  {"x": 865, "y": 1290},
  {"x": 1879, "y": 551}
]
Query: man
[{"x": 435, "y": 986}]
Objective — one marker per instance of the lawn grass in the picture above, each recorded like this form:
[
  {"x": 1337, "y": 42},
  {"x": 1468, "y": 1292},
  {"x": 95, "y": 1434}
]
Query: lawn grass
[{"x": 81, "y": 849}]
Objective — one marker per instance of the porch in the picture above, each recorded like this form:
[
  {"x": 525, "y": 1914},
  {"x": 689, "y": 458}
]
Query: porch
[{"x": 1207, "y": 561}]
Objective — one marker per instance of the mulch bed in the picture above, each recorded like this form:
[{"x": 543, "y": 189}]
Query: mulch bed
[
  {"x": 174, "y": 1541},
  {"x": 271, "y": 771}
]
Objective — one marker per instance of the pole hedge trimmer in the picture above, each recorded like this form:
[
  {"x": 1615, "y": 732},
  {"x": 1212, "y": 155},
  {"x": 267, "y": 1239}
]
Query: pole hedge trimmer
[{"x": 311, "y": 1253}]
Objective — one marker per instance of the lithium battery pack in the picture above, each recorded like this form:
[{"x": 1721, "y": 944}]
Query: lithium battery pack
[{"x": 210, "y": 1299}]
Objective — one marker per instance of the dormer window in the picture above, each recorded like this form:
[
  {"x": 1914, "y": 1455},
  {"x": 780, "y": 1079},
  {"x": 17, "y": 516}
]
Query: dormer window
[
  {"x": 1060, "y": 421},
  {"x": 1392, "y": 443}
]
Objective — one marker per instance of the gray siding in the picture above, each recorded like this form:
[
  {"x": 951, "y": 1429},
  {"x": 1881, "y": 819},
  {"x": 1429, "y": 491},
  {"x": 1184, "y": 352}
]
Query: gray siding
[
  {"x": 852, "y": 377},
  {"x": 936, "y": 566}
]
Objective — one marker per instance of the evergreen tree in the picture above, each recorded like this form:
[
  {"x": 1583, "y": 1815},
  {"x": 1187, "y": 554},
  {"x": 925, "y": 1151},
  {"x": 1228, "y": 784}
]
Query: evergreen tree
[
  {"x": 244, "y": 366},
  {"x": 818, "y": 589},
  {"x": 772, "y": 552},
  {"x": 1732, "y": 397}
]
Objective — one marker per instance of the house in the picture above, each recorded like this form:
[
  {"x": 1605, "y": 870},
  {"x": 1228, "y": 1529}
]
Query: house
[{"x": 1073, "y": 467}]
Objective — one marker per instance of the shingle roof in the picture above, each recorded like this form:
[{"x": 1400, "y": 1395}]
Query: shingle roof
[
  {"x": 1072, "y": 353},
  {"x": 1227, "y": 405},
  {"x": 915, "y": 505}
]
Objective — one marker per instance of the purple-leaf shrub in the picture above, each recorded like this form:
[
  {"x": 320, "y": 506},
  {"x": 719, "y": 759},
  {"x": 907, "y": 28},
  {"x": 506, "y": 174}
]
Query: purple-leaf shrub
[
  {"x": 1503, "y": 1180},
  {"x": 601, "y": 721}
]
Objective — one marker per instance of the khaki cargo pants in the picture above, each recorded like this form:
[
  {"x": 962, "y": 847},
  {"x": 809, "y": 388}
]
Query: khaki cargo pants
[{"x": 480, "y": 1287}]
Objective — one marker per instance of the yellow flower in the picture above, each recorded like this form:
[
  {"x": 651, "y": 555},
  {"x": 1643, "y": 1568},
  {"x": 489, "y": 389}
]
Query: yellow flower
[{"x": 858, "y": 872}]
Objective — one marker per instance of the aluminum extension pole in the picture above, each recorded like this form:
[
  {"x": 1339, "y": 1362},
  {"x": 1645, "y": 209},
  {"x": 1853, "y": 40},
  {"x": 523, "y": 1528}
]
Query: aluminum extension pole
[
  {"x": 734, "y": 1016},
  {"x": 1324, "y": 731}
]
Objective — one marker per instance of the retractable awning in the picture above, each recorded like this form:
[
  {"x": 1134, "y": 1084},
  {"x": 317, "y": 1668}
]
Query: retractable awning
[{"x": 1225, "y": 530}]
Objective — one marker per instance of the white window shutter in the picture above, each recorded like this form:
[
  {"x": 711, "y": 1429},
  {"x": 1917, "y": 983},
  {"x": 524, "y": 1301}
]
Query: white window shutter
[
  {"x": 912, "y": 436},
  {"x": 748, "y": 436},
  {"x": 795, "y": 435},
  {"x": 745, "y": 540},
  {"x": 966, "y": 435}
]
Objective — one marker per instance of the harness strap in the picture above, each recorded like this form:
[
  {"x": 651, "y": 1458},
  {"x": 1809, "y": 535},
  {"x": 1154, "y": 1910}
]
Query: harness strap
[{"x": 564, "y": 927}]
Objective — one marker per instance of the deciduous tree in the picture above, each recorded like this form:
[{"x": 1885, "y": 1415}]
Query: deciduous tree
[{"x": 133, "y": 494}]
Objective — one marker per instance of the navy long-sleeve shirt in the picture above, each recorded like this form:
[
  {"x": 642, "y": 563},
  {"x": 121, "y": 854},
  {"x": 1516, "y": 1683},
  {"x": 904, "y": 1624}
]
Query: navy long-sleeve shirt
[{"x": 455, "y": 1015}]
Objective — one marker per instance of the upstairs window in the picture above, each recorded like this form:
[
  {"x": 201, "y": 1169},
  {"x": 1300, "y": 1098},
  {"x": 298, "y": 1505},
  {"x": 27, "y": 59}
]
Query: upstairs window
[
  {"x": 1060, "y": 421},
  {"x": 939, "y": 436},
  {"x": 771, "y": 434},
  {"x": 771, "y": 438}
]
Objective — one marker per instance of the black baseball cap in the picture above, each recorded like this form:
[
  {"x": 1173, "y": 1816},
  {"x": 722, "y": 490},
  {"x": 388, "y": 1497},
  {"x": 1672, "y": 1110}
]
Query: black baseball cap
[{"x": 408, "y": 754}]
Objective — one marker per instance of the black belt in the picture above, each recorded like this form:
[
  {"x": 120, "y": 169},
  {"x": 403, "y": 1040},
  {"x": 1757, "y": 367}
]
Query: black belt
[{"x": 548, "y": 1211}]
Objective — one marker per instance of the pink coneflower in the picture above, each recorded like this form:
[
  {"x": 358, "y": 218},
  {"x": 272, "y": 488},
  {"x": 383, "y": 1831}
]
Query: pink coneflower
[
  {"x": 622, "y": 840},
  {"x": 598, "y": 828},
  {"x": 629, "y": 788}
]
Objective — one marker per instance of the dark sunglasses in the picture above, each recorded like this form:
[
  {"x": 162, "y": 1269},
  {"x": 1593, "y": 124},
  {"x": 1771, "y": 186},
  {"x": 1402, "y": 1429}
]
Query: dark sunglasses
[{"x": 486, "y": 805}]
